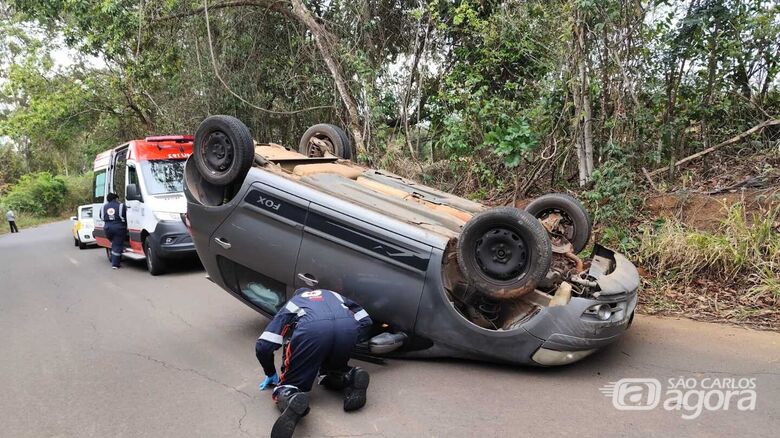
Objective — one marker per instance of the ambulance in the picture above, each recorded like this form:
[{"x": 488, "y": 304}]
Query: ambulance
[{"x": 147, "y": 175}]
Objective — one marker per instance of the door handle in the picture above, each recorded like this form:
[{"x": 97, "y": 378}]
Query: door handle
[
  {"x": 222, "y": 242},
  {"x": 308, "y": 279}
]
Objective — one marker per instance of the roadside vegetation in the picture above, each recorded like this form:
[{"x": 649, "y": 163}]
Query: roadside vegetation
[
  {"x": 38, "y": 198},
  {"x": 499, "y": 101},
  {"x": 731, "y": 273}
]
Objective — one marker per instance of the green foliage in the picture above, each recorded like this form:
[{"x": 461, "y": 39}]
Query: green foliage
[
  {"x": 611, "y": 199},
  {"x": 78, "y": 191},
  {"x": 39, "y": 194},
  {"x": 513, "y": 141},
  {"x": 12, "y": 167}
]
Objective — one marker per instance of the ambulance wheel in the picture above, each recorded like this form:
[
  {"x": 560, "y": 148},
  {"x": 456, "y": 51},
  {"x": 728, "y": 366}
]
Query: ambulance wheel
[
  {"x": 224, "y": 150},
  {"x": 75, "y": 242},
  {"x": 154, "y": 263},
  {"x": 81, "y": 244}
]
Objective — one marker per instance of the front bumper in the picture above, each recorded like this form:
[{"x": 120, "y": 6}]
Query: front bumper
[
  {"x": 172, "y": 239},
  {"x": 86, "y": 237},
  {"x": 573, "y": 331}
]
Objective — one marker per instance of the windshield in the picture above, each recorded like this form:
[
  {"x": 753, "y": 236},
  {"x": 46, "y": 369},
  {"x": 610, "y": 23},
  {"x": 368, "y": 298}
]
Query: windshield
[{"x": 163, "y": 176}]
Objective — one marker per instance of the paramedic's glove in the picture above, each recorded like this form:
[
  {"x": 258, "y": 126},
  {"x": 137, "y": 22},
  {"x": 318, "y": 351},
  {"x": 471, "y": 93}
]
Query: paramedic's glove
[{"x": 269, "y": 380}]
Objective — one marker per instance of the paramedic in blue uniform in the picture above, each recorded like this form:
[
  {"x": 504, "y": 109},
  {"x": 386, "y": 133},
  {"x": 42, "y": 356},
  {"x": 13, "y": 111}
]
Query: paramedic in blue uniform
[
  {"x": 114, "y": 216},
  {"x": 319, "y": 329}
]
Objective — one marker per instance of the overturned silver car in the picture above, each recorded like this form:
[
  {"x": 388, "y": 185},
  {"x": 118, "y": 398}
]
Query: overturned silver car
[{"x": 441, "y": 275}]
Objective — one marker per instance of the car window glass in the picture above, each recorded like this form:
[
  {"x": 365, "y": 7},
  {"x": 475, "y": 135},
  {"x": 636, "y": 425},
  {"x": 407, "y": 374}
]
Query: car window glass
[
  {"x": 132, "y": 175},
  {"x": 262, "y": 291},
  {"x": 86, "y": 213},
  {"x": 99, "y": 186}
]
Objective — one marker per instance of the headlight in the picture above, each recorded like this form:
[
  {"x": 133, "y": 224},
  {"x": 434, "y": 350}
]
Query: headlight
[
  {"x": 544, "y": 356},
  {"x": 167, "y": 216}
]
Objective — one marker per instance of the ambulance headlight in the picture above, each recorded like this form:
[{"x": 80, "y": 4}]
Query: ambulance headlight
[{"x": 167, "y": 216}]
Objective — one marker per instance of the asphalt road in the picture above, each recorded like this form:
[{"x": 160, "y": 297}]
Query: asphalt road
[{"x": 90, "y": 352}]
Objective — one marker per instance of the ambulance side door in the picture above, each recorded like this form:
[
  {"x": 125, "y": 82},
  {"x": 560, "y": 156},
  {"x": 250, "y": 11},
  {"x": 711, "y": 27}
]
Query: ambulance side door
[{"x": 135, "y": 207}]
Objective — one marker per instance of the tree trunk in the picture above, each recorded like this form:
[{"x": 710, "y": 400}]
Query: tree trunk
[
  {"x": 326, "y": 41},
  {"x": 583, "y": 112}
]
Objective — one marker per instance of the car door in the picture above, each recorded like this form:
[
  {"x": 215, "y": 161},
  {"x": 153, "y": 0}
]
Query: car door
[
  {"x": 257, "y": 245},
  {"x": 379, "y": 269}
]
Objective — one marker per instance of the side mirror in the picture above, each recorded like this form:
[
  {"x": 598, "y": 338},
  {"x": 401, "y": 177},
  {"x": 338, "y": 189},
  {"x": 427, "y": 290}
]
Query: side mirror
[
  {"x": 74, "y": 218},
  {"x": 132, "y": 193}
]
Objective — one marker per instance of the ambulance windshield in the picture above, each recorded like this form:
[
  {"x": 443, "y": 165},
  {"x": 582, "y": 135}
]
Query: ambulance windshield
[{"x": 163, "y": 176}]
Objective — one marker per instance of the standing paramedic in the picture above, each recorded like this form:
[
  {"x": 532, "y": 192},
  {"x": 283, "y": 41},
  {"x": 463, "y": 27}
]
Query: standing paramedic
[
  {"x": 114, "y": 215},
  {"x": 320, "y": 329}
]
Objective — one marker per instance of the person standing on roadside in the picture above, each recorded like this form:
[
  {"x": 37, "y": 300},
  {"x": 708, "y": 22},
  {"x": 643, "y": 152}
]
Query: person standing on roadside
[
  {"x": 12, "y": 221},
  {"x": 114, "y": 216}
]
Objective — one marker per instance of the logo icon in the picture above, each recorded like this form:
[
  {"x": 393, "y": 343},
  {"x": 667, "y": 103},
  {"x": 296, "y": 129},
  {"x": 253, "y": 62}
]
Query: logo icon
[
  {"x": 634, "y": 394},
  {"x": 313, "y": 295}
]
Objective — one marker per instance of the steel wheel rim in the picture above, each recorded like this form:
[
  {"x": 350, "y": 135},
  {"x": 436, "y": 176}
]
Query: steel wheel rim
[
  {"x": 218, "y": 152},
  {"x": 502, "y": 254}
]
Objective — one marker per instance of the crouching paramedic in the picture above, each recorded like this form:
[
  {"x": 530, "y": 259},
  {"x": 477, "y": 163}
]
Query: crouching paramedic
[{"x": 319, "y": 329}]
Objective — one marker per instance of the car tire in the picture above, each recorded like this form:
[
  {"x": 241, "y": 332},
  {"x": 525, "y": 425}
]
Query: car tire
[
  {"x": 503, "y": 252},
  {"x": 75, "y": 242},
  {"x": 154, "y": 264},
  {"x": 576, "y": 221},
  {"x": 223, "y": 150},
  {"x": 108, "y": 254},
  {"x": 339, "y": 144},
  {"x": 81, "y": 244}
]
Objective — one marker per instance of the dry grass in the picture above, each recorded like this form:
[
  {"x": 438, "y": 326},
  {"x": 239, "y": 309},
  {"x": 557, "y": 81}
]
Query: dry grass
[{"x": 731, "y": 273}]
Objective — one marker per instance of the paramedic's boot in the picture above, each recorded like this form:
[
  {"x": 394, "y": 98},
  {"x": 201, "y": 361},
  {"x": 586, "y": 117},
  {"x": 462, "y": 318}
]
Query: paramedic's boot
[
  {"x": 334, "y": 380},
  {"x": 294, "y": 405},
  {"x": 355, "y": 392}
]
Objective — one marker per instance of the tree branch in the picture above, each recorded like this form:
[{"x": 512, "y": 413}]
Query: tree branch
[
  {"x": 276, "y": 6},
  {"x": 732, "y": 140}
]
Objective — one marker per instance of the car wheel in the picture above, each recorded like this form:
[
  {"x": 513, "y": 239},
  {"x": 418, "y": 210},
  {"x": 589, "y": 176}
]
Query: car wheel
[
  {"x": 504, "y": 252},
  {"x": 323, "y": 138},
  {"x": 108, "y": 255},
  {"x": 223, "y": 150},
  {"x": 564, "y": 218},
  {"x": 81, "y": 244},
  {"x": 75, "y": 242},
  {"x": 154, "y": 263}
]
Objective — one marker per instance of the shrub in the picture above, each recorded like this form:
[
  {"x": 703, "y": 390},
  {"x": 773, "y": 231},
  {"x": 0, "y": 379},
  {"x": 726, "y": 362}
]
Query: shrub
[
  {"x": 610, "y": 199},
  {"x": 79, "y": 190},
  {"x": 39, "y": 194}
]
